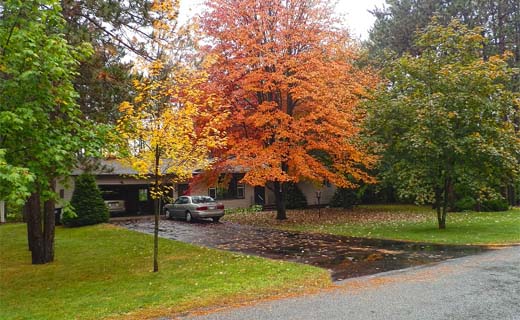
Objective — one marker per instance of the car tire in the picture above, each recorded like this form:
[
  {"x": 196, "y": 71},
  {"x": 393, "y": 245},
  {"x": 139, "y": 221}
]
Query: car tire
[
  {"x": 188, "y": 217},
  {"x": 216, "y": 219},
  {"x": 167, "y": 214}
]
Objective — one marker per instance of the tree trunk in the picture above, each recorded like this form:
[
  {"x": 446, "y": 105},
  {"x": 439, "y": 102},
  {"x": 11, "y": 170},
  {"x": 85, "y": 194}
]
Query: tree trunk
[
  {"x": 157, "y": 210},
  {"x": 34, "y": 229},
  {"x": 280, "y": 192}
]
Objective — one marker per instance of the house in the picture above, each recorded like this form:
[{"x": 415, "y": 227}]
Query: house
[{"x": 119, "y": 183}]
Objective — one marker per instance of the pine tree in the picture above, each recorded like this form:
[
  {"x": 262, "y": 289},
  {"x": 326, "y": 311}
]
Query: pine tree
[{"x": 87, "y": 202}]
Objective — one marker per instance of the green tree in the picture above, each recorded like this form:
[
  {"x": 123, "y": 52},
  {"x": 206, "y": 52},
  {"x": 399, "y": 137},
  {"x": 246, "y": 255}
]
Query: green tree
[
  {"x": 397, "y": 24},
  {"x": 89, "y": 207},
  {"x": 114, "y": 29},
  {"x": 41, "y": 128},
  {"x": 442, "y": 119}
]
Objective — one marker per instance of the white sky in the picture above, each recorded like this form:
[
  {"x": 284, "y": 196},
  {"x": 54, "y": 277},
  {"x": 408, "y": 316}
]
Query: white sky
[{"x": 356, "y": 14}]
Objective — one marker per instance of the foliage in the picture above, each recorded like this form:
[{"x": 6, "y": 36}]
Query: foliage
[
  {"x": 466, "y": 203},
  {"x": 399, "y": 21},
  {"x": 345, "y": 198},
  {"x": 88, "y": 203},
  {"x": 104, "y": 80},
  {"x": 295, "y": 198},
  {"x": 41, "y": 127},
  {"x": 160, "y": 125},
  {"x": 494, "y": 205},
  {"x": 101, "y": 272},
  {"x": 252, "y": 209},
  {"x": 292, "y": 90},
  {"x": 440, "y": 119},
  {"x": 167, "y": 136}
]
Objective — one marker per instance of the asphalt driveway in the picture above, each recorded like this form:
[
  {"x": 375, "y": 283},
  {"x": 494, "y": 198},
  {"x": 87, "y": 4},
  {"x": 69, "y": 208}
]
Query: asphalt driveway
[{"x": 344, "y": 257}]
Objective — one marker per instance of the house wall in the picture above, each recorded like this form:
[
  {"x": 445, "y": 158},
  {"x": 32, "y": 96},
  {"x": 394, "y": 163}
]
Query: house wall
[
  {"x": 309, "y": 190},
  {"x": 247, "y": 201}
]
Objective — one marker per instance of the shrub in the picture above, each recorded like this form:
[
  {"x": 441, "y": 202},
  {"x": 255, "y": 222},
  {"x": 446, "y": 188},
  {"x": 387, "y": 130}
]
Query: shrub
[
  {"x": 465, "y": 204},
  {"x": 494, "y": 205},
  {"x": 252, "y": 209},
  {"x": 344, "y": 198},
  {"x": 295, "y": 198},
  {"x": 87, "y": 202}
]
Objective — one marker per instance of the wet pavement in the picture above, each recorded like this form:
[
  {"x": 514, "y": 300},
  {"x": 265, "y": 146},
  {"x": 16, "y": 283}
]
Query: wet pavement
[{"x": 344, "y": 257}]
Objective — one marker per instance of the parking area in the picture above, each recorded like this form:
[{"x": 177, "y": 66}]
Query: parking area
[{"x": 344, "y": 257}]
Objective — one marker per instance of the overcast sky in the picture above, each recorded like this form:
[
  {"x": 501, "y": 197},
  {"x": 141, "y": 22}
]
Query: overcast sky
[{"x": 357, "y": 17}]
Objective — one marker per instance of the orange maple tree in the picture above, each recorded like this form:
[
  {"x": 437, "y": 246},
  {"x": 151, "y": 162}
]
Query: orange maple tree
[{"x": 285, "y": 72}]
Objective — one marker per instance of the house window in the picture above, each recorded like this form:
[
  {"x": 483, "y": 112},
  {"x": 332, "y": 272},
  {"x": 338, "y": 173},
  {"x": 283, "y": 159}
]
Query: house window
[
  {"x": 228, "y": 188},
  {"x": 143, "y": 194},
  {"x": 62, "y": 194},
  {"x": 212, "y": 192},
  {"x": 241, "y": 188}
]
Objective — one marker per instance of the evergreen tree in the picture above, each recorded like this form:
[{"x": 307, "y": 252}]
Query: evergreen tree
[{"x": 88, "y": 204}]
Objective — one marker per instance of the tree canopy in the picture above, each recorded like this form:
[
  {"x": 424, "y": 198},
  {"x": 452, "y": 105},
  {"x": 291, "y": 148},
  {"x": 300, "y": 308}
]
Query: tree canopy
[
  {"x": 444, "y": 119},
  {"x": 41, "y": 128},
  {"x": 285, "y": 72}
]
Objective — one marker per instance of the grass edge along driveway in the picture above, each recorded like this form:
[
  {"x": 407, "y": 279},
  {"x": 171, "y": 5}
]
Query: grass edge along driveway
[
  {"x": 105, "y": 272},
  {"x": 397, "y": 222}
]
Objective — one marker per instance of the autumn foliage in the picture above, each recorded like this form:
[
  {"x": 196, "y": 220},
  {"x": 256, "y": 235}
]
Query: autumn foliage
[{"x": 285, "y": 72}]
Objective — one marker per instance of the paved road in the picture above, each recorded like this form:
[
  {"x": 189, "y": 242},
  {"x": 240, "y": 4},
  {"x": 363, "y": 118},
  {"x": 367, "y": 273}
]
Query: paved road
[{"x": 485, "y": 286}]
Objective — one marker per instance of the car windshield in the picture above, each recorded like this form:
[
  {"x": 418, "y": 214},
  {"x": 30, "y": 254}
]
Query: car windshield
[{"x": 202, "y": 199}]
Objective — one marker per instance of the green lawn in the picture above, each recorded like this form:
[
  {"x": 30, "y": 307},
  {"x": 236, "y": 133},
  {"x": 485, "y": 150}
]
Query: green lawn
[
  {"x": 104, "y": 271},
  {"x": 400, "y": 222}
]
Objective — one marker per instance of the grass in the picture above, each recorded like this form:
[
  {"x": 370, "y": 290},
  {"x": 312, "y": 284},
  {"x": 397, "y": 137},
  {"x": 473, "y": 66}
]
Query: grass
[
  {"x": 399, "y": 222},
  {"x": 105, "y": 272}
]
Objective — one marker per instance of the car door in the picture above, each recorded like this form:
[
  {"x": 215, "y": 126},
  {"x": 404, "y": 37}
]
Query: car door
[
  {"x": 180, "y": 207},
  {"x": 175, "y": 207}
]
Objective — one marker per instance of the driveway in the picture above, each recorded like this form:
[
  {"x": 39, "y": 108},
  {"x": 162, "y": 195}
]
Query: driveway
[
  {"x": 344, "y": 257},
  {"x": 480, "y": 287}
]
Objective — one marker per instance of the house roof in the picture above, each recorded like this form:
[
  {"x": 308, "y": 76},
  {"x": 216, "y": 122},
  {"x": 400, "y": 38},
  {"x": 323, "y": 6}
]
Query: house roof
[{"x": 107, "y": 168}]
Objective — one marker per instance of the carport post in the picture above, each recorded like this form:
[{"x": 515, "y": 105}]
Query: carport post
[{"x": 2, "y": 211}]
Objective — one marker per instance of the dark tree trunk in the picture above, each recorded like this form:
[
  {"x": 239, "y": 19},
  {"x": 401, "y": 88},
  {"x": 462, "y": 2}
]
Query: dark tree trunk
[
  {"x": 34, "y": 229},
  {"x": 280, "y": 192}
]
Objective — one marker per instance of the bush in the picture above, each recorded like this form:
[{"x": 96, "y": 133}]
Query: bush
[
  {"x": 87, "y": 202},
  {"x": 252, "y": 209},
  {"x": 344, "y": 198},
  {"x": 494, "y": 205},
  {"x": 465, "y": 204},
  {"x": 295, "y": 198}
]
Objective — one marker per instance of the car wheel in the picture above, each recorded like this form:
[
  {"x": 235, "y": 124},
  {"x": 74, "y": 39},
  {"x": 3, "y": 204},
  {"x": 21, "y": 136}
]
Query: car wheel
[
  {"x": 189, "y": 218},
  {"x": 215, "y": 219},
  {"x": 167, "y": 214}
]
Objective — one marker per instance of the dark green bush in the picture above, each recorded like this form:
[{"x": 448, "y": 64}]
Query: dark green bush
[
  {"x": 344, "y": 198},
  {"x": 465, "y": 204},
  {"x": 494, "y": 205},
  {"x": 295, "y": 198},
  {"x": 87, "y": 202}
]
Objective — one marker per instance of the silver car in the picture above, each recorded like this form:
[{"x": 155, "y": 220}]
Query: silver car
[{"x": 193, "y": 207}]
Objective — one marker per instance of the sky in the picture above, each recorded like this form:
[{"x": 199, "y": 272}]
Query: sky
[{"x": 357, "y": 17}]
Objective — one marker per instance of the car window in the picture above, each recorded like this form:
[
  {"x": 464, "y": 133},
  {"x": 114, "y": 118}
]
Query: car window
[
  {"x": 202, "y": 199},
  {"x": 182, "y": 200}
]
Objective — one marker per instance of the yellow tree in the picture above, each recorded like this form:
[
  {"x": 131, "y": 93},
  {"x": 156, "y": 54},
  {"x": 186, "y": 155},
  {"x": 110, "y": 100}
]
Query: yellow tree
[{"x": 166, "y": 133}]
